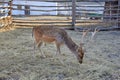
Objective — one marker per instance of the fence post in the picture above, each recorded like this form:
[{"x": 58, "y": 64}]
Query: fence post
[
  {"x": 73, "y": 13},
  {"x": 27, "y": 10},
  {"x": 9, "y": 16},
  {"x": 118, "y": 13},
  {"x": 10, "y": 8}
]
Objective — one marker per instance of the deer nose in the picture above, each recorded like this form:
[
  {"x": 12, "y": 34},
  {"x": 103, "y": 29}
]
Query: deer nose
[{"x": 80, "y": 61}]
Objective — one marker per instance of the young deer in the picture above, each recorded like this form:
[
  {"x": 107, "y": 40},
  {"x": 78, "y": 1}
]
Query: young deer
[{"x": 59, "y": 36}]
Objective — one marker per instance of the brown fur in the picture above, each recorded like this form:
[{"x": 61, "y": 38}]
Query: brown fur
[{"x": 59, "y": 36}]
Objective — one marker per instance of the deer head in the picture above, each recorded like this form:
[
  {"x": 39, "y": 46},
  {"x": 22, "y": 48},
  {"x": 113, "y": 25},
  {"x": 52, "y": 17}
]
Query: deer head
[{"x": 80, "y": 49}]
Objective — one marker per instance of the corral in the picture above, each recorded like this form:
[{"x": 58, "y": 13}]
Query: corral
[
  {"x": 19, "y": 60},
  {"x": 71, "y": 13}
]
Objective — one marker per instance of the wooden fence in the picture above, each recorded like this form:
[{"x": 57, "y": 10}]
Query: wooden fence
[
  {"x": 68, "y": 13},
  {"x": 6, "y": 15}
]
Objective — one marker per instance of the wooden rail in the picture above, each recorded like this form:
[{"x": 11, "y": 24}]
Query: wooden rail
[{"x": 70, "y": 0}]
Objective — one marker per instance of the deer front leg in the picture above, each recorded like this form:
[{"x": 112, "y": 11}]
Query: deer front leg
[
  {"x": 58, "y": 48},
  {"x": 39, "y": 46},
  {"x": 59, "y": 52}
]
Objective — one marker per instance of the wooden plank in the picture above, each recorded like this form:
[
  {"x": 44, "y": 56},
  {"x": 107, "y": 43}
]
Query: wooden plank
[
  {"x": 96, "y": 6},
  {"x": 61, "y": 6},
  {"x": 4, "y": 7},
  {"x": 38, "y": 21},
  {"x": 43, "y": 22},
  {"x": 48, "y": 0},
  {"x": 34, "y": 19},
  {"x": 31, "y": 25},
  {"x": 95, "y": 10},
  {"x": 44, "y": 18},
  {"x": 61, "y": 21},
  {"x": 4, "y": 2},
  {"x": 69, "y": 0},
  {"x": 43, "y": 10},
  {"x": 78, "y": 10},
  {"x": 39, "y": 16},
  {"x": 38, "y": 6},
  {"x": 97, "y": 21}
]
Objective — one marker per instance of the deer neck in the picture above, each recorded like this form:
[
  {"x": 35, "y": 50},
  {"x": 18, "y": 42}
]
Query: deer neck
[{"x": 71, "y": 45}]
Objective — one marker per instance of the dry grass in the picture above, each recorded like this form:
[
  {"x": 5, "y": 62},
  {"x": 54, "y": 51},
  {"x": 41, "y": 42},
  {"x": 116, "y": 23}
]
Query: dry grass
[{"x": 18, "y": 61}]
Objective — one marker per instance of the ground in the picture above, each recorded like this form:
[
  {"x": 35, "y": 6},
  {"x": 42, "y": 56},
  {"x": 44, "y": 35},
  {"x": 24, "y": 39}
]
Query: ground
[{"x": 19, "y": 60}]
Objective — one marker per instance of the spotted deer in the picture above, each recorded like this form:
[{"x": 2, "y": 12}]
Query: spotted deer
[{"x": 59, "y": 36}]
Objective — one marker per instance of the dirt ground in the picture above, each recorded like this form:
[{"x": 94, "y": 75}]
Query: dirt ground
[{"x": 18, "y": 61}]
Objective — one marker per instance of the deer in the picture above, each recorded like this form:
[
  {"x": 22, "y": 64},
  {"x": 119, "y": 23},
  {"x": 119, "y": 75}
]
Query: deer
[{"x": 59, "y": 36}]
